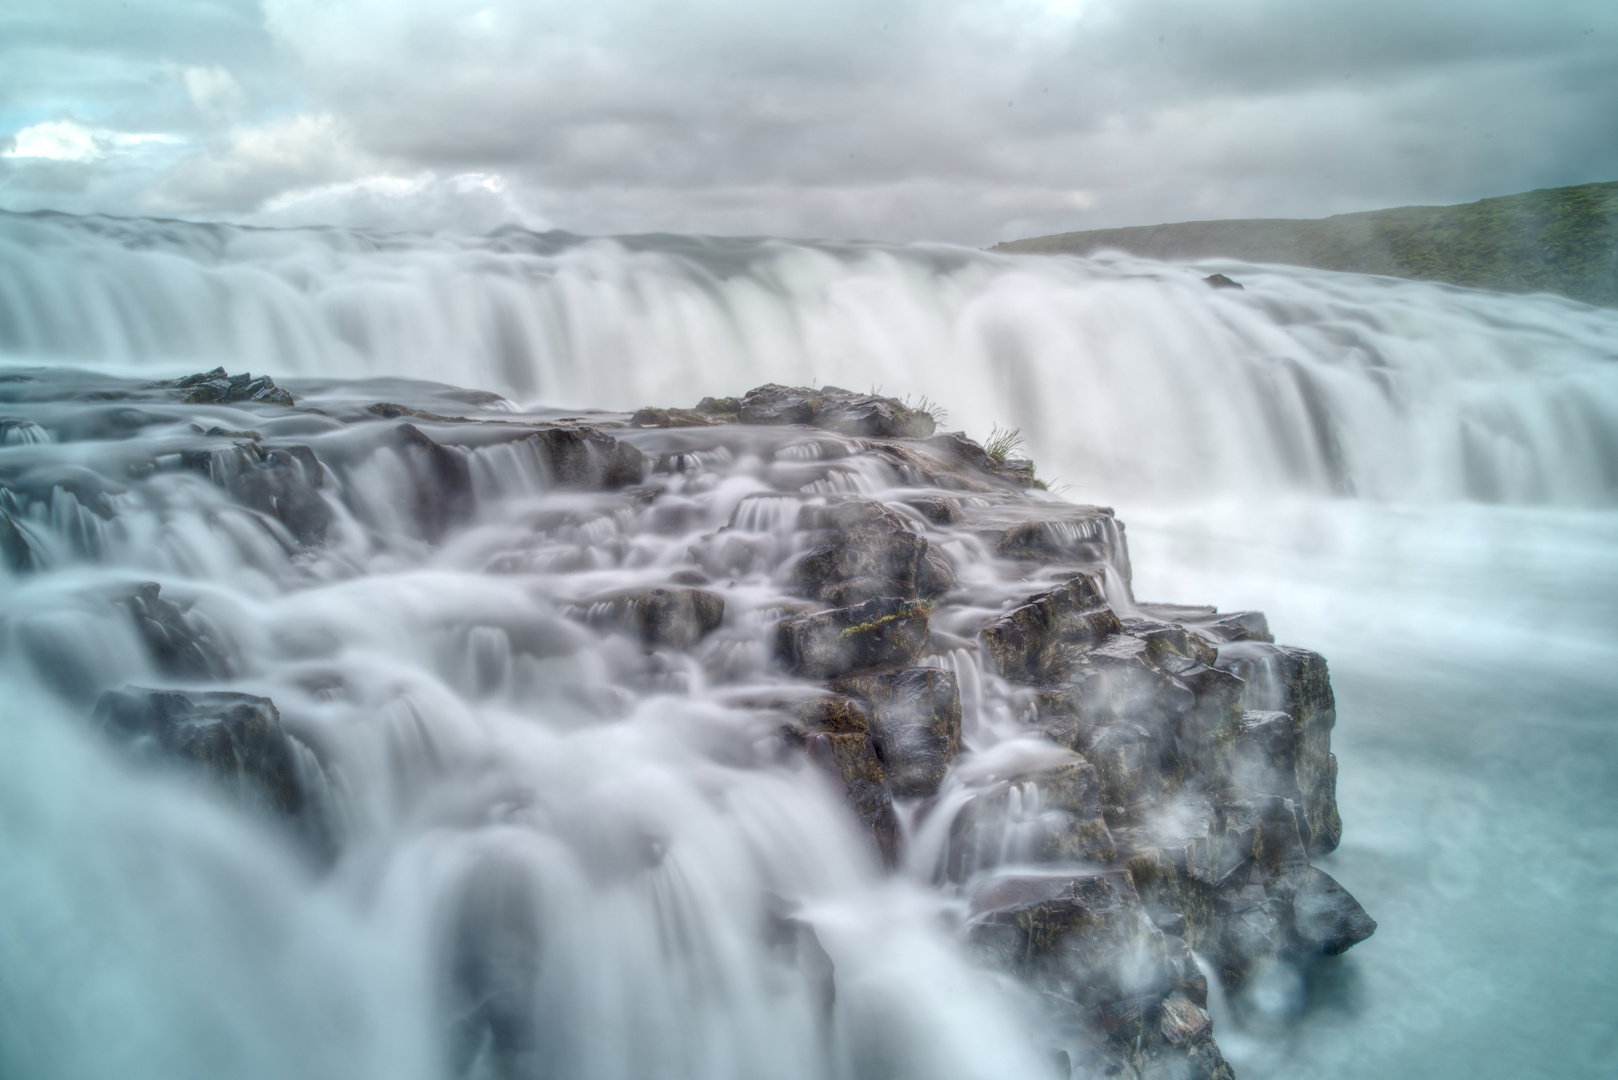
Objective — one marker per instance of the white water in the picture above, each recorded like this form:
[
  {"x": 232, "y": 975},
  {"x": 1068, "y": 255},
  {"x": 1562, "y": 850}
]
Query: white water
[{"x": 1465, "y": 595}]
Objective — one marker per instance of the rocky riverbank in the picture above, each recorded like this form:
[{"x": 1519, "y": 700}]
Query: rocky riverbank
[{"x": 1124, "y": 797}]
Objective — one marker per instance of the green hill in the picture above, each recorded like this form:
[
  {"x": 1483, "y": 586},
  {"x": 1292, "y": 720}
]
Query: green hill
[{"x": 1560, "y": 240}]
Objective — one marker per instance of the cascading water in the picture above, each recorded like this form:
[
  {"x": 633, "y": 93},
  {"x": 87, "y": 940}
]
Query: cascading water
[{"x": 514, "y": 786}]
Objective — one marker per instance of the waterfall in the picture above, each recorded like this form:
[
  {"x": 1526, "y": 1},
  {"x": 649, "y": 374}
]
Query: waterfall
[
  {"x": 1129, "y": 378},
  {"x": 532, "y": 838}
]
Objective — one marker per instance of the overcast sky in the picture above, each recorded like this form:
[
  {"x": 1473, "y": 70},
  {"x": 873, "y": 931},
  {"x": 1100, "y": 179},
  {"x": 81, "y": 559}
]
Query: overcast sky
[{"x": 962, "y": 120}]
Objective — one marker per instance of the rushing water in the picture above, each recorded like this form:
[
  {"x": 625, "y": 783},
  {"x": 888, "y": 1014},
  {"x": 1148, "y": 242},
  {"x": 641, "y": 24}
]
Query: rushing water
[{"x": 1416, "y": 480}]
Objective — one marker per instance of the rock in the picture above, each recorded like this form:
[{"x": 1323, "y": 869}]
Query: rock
[
  {"x": 667, "y": 418},
  {"x": 1085, "y": 938},
  {"x": 180, "y": 645},
  {"x": 279, "y": 482},
  {"x": 1282, "y": 678},
  {"x": 835, "y": 733},
  {"x": 217, "y": 387},
  {"x": 673, "y": 618},
  {"x": 869, "y": 552},
  {"x": 1182, "y": 1020},
  {"x": 830, "y": 407},
  {"x": 493, "y": 961},
  {"x": 883, "y": 631},
  {"x": 440, "y": 482},
  {"x": 236, "y": 739},
  {"x": 1046, "y": 533},
  {"x": 587, "y": 458},
  {"x": 1020, "y": 641},
  {"x": 915, "y": 716},
  {"x": 1053, "y": 815},
  {"x": 16, "y": 550},
  {"x": 1220, "y": 281},
  {"x": 1326, "y": 919}
]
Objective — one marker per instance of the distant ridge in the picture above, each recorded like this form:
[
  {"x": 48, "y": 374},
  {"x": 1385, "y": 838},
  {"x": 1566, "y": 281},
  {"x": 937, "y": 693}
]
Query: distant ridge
[{"x": 1560, "y": 240}]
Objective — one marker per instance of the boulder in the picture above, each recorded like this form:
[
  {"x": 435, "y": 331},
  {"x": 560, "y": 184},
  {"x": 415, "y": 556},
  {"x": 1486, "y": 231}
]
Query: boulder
[
  {"x": 830, "y": 407},
  {"x": 1326, "y": 919},
  {"x": 869, "y": 551},
  {"x": 1084, "y": 938},
  {"x": 1053, "y": 815},
  {"x": 1021, "y": 640},
  {"x": 180, "y": 644},
  {"x": 279, "y": 482},
  {"x": 440, "y": 492},
  {"x": 217, "y": 387},
  {"x": 236, "y": 739},
  {"x": 915, "y": 716},
  {"x": 672, "y": 618},
  {"x": 1296, "y": 681},
  {"x": 585, "y": 457},
  {"x": 883, "y": 631},
  {"x": 835, "y": 733}
]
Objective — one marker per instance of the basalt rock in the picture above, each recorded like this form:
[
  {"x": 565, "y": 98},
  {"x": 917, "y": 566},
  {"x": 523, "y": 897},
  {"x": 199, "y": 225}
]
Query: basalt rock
[
  {"x": 585, "y": 457},
  {"x": 181, "y": 644},
  {"x": 280, "y": 482},
  {"x": 674, "y": 618},
  {"x": 218, "y": 387},
  {"x": 835, "y": 733},
  {"x": 915, "y": 716},
  {"x": 1049, "y": 816},
  {"x": 883, "y": 631},
  {"x": 1021, "y": 640},
  {"x": 830, "y": 407},
  {"x": 236, "y": 740},
  {"x": 868, "y": 552}
]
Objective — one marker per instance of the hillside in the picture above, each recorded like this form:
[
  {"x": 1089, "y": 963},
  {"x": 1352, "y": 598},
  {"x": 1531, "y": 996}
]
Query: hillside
[{"x": 1561, "y": 240}]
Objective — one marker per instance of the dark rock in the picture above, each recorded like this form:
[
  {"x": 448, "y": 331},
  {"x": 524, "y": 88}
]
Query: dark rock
[
  {"x": 1296, "y": 681},
  {"x": 494, "y": 956},
  {"x": 180, "y": 645},
  {"x": 440, "y": 482},
  {"x": 668, "y": 418},
  {"x": 830, "y": 407},
  {"x": 1053, "y": 815},
  {"x": 16, "y": 550},
  {"x": 883, "y": 631},
  {"x": 1326, "y": 919},
  {"x": 915, "y": 717},
  {"x": 675, "y": 618},
  {"x": 236, "y": 739},
  {"x": 1085, "y": 938},
  {"x": 217, "y": 387},
  {"x": 1182, "y": 1021},
  {"x": 835, "y": 733},
  {"x": 869, "y": 552},
  {"x": 1220, "y": 281},
  {"x": 1020, "y": 641},
  {"x": 280, "y": 482},
  {"x": 587, "y": 458}
]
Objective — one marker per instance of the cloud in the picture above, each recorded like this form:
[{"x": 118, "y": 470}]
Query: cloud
[{"x": 967, "y": 120}]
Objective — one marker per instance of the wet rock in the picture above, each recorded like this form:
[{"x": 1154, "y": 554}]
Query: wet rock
[
  {"x": 587, "y": 458},
  {"x": 1049, "y": 816},
  {"x": 1296, "y": 681},
  {"x": 1326, "y": 919},
  {"x": 1220, "y": 281},
  {"x": 1182, "y": 1021},
  {"x": 16, "y": 550},
  {"x": 883, "y": 631},
  {"x": 667, "y": 418},
  {"x": 440, "y": 491},
  {"x": 915, "y": 716},
  {"x": 673, "y": 618},
  {"x": 1020, "y": 641},
  {"x": 834, "y": 731},
  {"x": 236, "y": 739},
  {"x": 830, "y": 407},
  {"x": 180, "y": 644},
  {"x": 1082, "y": 535},
  {"x": 218, "y": 387},
  {"x": 1085, "y": 938},
  {"x": 868, "y": 552},
  {"x": 281, "y": 482},
  {"x": 493, "y": 973}
]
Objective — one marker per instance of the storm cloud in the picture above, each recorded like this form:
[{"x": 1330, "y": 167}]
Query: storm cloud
[{"x": 961, "y": 120}]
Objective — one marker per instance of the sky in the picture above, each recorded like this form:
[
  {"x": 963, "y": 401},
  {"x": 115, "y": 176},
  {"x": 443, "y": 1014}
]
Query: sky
[{"x": 965, "y": 121}]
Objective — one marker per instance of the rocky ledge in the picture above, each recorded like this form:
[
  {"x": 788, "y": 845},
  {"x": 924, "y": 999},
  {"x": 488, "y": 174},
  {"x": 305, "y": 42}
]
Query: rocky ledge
[{"x": 1139, "y": 789}]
